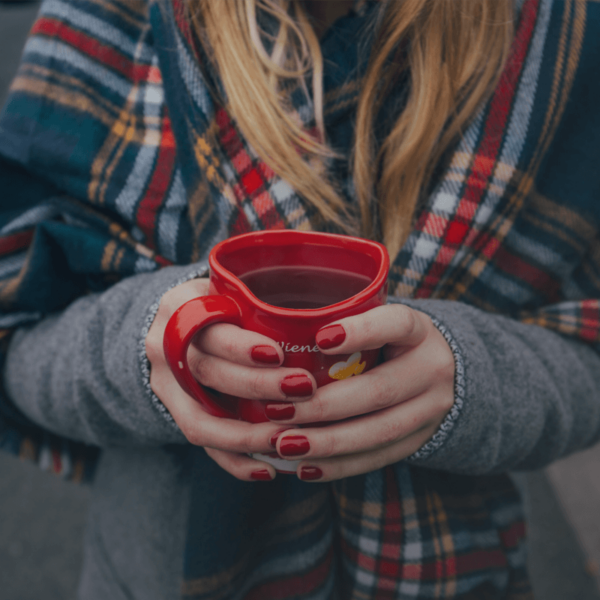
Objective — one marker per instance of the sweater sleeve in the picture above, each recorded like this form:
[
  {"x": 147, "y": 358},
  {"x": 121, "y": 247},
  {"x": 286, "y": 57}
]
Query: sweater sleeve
[
  {"x": 83, "y": 374},
  {"x": 525, "y": 395}
]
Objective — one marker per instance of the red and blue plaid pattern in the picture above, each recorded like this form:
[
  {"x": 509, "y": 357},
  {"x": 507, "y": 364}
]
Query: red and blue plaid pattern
[{"x": 116, "y": 159}]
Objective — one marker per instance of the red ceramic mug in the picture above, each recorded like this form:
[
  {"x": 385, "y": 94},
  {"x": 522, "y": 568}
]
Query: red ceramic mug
[{"x": 286, "y": 285}]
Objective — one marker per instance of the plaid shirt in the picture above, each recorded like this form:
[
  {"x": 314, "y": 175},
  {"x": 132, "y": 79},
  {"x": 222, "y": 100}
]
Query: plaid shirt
[{"x": 116, "y": 160}]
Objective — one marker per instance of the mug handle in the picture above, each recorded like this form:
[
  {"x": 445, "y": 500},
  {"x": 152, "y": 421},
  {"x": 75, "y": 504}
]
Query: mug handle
[{"x": 183, "y": 325}]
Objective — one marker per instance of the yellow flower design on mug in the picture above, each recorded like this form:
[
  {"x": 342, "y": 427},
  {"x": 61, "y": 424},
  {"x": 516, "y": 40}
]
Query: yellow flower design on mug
[{"x": 348, "y": 368}]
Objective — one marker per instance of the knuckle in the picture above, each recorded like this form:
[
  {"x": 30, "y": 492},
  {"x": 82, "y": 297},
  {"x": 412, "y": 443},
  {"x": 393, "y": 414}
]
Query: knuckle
[
  {"x": 327, "y": 446},
  {"x": 230, "y": 346},
  {"x": 389, "y": 432},
  {"x": 246, "y": 443},
  {"x": 408, "y": 321},
  {"x": 215, "y": 335},
  {"x": 443, "y": 365},
  {"x": 256, "y": 386},
  {"x": 318, "y": 409},
  {"x": 199, "y": 368},
  {"x": 369, "y": 326},
  {"x": 379, "y": 394}
]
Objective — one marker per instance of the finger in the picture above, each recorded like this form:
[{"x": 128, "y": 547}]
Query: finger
[
  {"x": 366, "y": 433},
  {"x": 239, "y": 346},
  {"x": 241, "y": 466},
  {"x": 176, "y": 297},
  {"x": 250, "y": 382},
  {"x": 386, "y": 385},
  {"x": 390, "y": 324},
  {"x": 203, "y": 429},
  {"x": 351, "y": 465}
]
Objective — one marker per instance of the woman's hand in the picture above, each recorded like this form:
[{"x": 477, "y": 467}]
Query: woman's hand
[
  {"x": 233, "y": 361},
  {"x": 387, "y": 413}
]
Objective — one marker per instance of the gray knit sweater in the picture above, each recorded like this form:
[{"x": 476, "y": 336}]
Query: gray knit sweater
[{"x": 525, "y": 396}]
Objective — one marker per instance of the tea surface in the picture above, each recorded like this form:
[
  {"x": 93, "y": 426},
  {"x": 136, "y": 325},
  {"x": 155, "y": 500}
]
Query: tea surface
[{"x": 303, "y": 287}]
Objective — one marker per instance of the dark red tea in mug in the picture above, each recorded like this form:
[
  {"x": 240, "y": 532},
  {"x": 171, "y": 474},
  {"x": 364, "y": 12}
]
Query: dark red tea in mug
[{"x": 303, "y": 287}]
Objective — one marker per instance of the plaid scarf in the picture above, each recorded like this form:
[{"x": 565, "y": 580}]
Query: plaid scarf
[{"x": 116, "y": 160}]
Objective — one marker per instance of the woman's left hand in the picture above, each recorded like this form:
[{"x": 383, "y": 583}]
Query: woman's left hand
[{"x": 383, "y": 415}]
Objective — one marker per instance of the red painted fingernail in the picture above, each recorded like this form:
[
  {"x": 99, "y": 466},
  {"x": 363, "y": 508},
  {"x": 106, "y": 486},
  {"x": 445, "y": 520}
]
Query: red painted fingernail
[
  {"x": 262, "y": 475},
  {"x": 297, "y": 385},
  {"x": 280, "y": 411},
  {"x": 275, "y": 437},
  {"x": 266, "y": 355},
  {"x": 294, "y": 445},
  {"x": 310, "y": 473},
  {"x": 330, "y": 337}
]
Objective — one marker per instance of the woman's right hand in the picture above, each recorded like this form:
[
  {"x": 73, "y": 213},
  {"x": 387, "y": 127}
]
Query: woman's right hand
[{"x": 233, "y": 361}]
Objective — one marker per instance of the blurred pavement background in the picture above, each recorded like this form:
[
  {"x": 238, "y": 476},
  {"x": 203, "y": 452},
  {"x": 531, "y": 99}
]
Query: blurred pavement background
[{"x": 42, "y": 518}]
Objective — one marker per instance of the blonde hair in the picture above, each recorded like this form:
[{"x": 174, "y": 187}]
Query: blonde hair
[{"x": 451, "y": 51}]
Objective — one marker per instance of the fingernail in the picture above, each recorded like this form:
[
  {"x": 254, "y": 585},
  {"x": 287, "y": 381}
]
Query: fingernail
[
  {"x": 266, "y": 355},
  {"x": 280, "y": 411},
  {"x": 275, "y": 437},
  {"x": 262, "y": 475},
  {"x": 294, "y": 445},
  {"x": 297, "y": 385},
  {"x": 330, "y": 337},
  {"x": 310, "y": 473}
]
